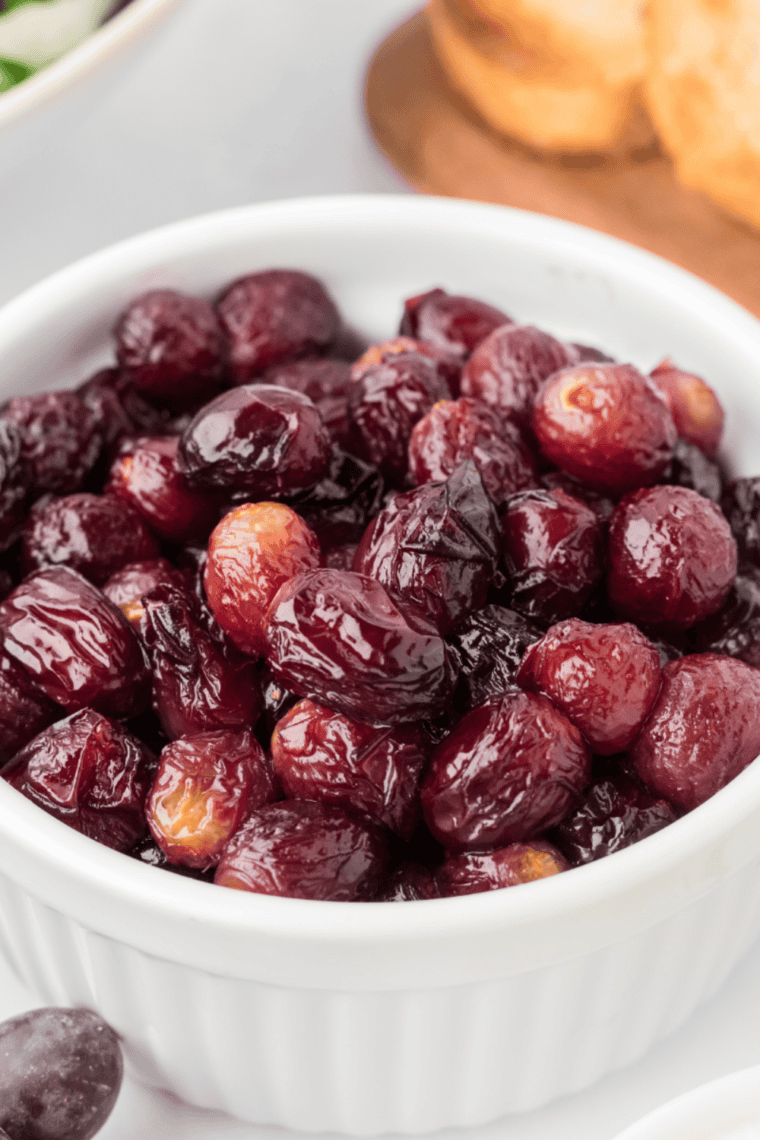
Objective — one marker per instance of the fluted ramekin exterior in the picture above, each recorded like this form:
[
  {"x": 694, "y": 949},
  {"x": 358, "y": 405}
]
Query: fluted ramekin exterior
[{"x": 394, "y": 1060}]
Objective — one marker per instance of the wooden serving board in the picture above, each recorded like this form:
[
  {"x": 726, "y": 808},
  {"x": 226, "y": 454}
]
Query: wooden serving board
[{"x": 433, "y": 138}]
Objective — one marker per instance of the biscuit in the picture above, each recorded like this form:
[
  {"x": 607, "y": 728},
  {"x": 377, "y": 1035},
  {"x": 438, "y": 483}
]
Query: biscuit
[
  {"x": 526, "y": 94},
  {"x": 601, "y": 39},
  {"x": 703, "y": 94}
]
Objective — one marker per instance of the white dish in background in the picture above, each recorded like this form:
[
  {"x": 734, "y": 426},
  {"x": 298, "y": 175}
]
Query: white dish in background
[
  {"x": 419, "y": 1016},
  {"x": 726, "y": 1109},
  {"x": 46, "y": 103}
]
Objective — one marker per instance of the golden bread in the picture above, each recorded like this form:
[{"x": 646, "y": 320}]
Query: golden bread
[
  {"x": 703, "y": 93},
  {"x": 602, "y": 38},
  {"x": 530, "y": 96}
]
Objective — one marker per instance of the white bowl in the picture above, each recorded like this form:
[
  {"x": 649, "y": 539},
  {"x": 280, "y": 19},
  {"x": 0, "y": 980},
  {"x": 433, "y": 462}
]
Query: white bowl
[
  {"x": 726, "y": 1109},
  {"x": 367, "y": 1018},
  {"x": 42, "y": 106}
]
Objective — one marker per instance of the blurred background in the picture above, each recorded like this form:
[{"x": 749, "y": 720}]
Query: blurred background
[{"x": 236, "y": 101}]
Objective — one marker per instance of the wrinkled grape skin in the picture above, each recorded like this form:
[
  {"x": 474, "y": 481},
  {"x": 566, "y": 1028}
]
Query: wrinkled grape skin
[
  {"x": 307, "y": 850},
  {"x": 510, "y": 769},
  {"x": 255, "y": 442},
  {"x": 340, "y": 506},
  {"x": 203, "y": 788},
  {"x": 690, "y": 467},
  {"x": 607, "y": 425},
  {"x": 672, "y": 557},
  {"x": 15, "y": 483},
  {"x": 171, "y": 347},
  {"x": 604, "y": 678},
  {"x": 89, "y": 772},
  {"x": 703, "y": 730},
  {"x": 197, "y": 685},
  {"x": 469, "y": 872},
  {"x": 386, "y": 403},
  {"x": 601, "y": 505},
  {"x": 337, "y": 638},
  {"x": 251, "y": 553},
  {"x": 449, "y": 367},
  {"x": 319, "y": 754},
  {"x": 95, "y": 535},
  {"x": 274, "y": 317},
  {"x": 408, "y": 882},
  {"x": 60, "y": 439},
  {"x": 695, "y": 408},
  {"x": 489, "y": 646},
  {"x": 60, "y": 1074},
  {"x": 741, "y": 506},
  {"x": 454, "y": 431},
  {"x": 436, "y": 547},
  {"x": 553, "y": 551},
  {"x": 76, "y": 646},
  {"x": 326, "y": 383},
  {"x": 146, "y": 476},
  {"x": 452, "y": 324},
  {"x": 507, "y": 369},
  {"x": 24, "y": 709},
  {"x": 120, "y": 411},
  {"x": 614, "y": 814},
  {"x": 735, "y": 629},
  {"x": 129, "y": 584}
]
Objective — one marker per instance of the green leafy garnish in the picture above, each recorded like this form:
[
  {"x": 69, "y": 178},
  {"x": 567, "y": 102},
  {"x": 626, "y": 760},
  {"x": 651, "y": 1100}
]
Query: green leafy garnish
[
  {"x": 9, "y": 5},
  {"x": 13, "y": 72}
]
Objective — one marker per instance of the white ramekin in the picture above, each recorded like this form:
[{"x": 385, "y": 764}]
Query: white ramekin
[
  {"x": 60, "y": 95},
  {"x": 367, "y": 1018},
  {"x": 725, "y": 1109}
]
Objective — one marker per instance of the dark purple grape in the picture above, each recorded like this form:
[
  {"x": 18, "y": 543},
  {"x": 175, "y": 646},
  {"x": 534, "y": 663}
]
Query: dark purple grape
[
  {"x": 436, "y": 547},
  {"x": 60, "y": 438},
  {"x": 741, "y": 506},
  {"x": 387, "y": 401},
  {"x": 305, "y": 849},
  {"x": 74, "y": 644},
  {"x": 614, "y": 814},
  {"x": 119, "y": 409},
  {"x": 507, "y": 369},
  {"x": 255, "y": 442},
  {"x": 339, "y": 507},
  {"x": 198, "y": 684},
  {"x": 338, "y": 638},
  {"x": 171, "y": 347},
  {"x": 89, "y": 772},
  {"x": 489, "y": 646},
  {"x": 274, "y": 317},
  {"x": 326, "y": 383},
  {"x": 93, "y": 534},
  {"x": 691, "y": 468},
  {"x": 15, "y": 483},
  {"x": 735, "y": 628},
  {"x": 60, "y": 1074},
  {"x": 24, "y": 709},
  {"x": 453, "y": 324},
  {"x": 553, "y": 549}
]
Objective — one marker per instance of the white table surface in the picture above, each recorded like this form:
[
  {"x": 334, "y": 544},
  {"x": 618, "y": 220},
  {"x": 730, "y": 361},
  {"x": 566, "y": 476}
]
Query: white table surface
[{"x": 249, "y": 100}]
